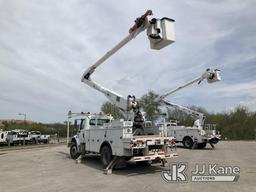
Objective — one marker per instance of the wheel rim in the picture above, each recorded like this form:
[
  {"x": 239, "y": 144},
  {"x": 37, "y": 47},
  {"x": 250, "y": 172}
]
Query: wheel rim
[{"x": 187, "y": 143}]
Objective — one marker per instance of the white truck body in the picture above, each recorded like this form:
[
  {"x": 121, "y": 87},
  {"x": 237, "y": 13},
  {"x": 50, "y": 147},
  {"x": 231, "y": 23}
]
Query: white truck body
[
  {"x": 180, "y": 132},
  {"x": 119, "y": 136},
  {"x": 196, "y": 134}
]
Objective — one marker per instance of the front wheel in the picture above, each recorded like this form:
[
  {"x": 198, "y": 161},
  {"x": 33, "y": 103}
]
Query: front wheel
[
  {"x": 73, "y": 151},
  {"x": 106, "y": 156}
]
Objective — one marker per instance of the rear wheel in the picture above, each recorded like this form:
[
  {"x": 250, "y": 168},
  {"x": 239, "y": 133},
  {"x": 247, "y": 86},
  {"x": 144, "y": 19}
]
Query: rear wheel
[
  {"x": 73, "y": 151},
  {"x": 188, "y": 142},
  {"x": 106, "y": 155},
  {"x": 214, "y": 140}
]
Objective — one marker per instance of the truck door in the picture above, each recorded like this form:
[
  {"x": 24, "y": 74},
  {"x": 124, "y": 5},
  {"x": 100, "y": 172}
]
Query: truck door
[
  {"x": 92, "y": 137},
  {"x": 81, "y": 134}
]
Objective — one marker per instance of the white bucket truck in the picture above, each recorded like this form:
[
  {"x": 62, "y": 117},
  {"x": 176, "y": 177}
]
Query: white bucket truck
[{"x": 126, "y": 138}]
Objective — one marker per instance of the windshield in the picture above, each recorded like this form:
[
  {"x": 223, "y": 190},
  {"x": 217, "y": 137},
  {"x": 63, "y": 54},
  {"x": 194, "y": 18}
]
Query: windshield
[{"x": 100, "y": 122}]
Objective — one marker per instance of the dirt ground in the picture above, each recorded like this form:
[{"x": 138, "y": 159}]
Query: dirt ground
[{"x": 51, "y": 169}]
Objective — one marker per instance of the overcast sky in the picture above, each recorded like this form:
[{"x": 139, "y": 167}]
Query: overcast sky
[{"x": 45, "y": 46}]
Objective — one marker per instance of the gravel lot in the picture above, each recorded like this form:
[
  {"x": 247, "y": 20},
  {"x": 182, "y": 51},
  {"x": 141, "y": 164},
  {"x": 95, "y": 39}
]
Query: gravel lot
[{"x": 51, "y": 169}]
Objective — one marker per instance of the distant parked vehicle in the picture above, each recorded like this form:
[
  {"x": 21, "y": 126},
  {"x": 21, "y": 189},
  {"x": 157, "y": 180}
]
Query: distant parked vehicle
[
  {"x": 16, "y": 137},
  {"x": 24, "y": 137},
  {"x": 45, "y": 139},
  {"x": 37, "y": 137}
]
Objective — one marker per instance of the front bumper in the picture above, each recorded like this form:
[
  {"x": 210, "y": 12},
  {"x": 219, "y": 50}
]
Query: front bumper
[{"x": 214, "y": 139}]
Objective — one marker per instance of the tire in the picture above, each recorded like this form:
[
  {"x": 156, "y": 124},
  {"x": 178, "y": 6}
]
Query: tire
[
  {"x": 33, "y": 141},
  {"x": 106, "y": 155},
  {"x": 214, "y": 140},
  {"x": 73, "y": 151},
  {"x": 188, "y": 142},
  {"x": 201, "y": 145}
]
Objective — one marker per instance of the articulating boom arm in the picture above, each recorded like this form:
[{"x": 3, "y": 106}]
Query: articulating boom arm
[
  {"x": 160, "y": 33},
  {"x": 212, "y": 75}
]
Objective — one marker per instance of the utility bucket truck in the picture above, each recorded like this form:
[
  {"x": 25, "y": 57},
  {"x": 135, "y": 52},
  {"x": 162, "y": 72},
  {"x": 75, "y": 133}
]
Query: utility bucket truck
[
  {"x": 196, "y": 135},
  {"x": 127, "y": 138}
]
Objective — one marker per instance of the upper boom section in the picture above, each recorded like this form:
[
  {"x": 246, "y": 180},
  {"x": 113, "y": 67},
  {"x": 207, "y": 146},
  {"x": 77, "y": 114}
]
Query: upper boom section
[
  {"x": 160, "y": 34},
  {"x": 212, "y": 75}
]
